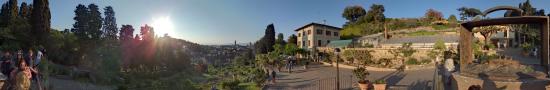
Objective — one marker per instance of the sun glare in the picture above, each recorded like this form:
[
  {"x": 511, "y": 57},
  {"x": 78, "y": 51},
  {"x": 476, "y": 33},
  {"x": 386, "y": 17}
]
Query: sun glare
[{"x": 163, "y": 25}]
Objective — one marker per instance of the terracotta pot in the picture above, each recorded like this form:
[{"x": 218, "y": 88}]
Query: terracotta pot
[
  {"x": 363, "y": 86},
  {"x": 379, "y": 86},
  {"x": 525, "y": 53}
]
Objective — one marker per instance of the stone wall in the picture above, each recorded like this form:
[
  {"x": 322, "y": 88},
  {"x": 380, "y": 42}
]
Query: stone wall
[
  {"x": 461, "y": 82},
  {"x": 379, "y": 53}
]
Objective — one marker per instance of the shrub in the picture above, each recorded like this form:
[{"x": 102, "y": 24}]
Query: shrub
[
  {"x": 526, "y": 46},
  {"x": 380, "y": 81},
  {"x": 440, "y": 27},
  {"x": 425, "y": 61},
  {"x": 412, "y": 61},
  {"x": 528, "y": 69},
  {"x": 361, "y": 73}
]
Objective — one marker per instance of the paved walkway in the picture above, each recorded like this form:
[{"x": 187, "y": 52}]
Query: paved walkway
[{"x": 322, "y": 77}]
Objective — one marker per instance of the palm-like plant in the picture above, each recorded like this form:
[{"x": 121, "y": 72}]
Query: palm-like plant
[{"x": 361, "y": 73}]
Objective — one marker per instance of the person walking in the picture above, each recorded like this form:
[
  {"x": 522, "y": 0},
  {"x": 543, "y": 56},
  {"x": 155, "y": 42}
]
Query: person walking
[
  {"x": 273, "y": 76},
  {"x": 23, "y": 77}
]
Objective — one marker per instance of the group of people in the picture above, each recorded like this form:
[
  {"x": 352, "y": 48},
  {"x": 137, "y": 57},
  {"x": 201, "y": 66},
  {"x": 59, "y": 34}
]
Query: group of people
[{"x": 20, "y": 68}]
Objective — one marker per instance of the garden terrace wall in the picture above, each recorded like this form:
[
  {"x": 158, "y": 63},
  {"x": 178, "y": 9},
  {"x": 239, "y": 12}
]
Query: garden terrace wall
[{"x": 379, "y": 53}]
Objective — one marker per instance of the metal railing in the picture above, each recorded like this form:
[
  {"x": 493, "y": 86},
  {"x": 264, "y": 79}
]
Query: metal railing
[{"x": 347, "y": 82}]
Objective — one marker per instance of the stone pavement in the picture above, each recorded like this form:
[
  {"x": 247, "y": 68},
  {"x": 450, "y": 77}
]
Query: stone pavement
[{"x": 322, "y": 77}]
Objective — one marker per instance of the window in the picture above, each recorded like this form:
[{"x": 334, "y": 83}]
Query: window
[
  {"x": 303, "y": 43},
  {"x": 299, "y": 34},
  {"x": 308, "y": 32},
  {"x": 328, "y": 41},
  {"x": 309, "y": 42},
  {"x": 319, "y": 42},
  {"x": 319, "y": 31},
  {"x": 335, "y": 33},
  {"x": 328, "y": 33}
]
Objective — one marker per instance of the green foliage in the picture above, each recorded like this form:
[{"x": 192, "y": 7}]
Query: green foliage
[
  {"x": 380, "y": 81},
  {"x": 280, "y": 39},
  {"x": 526, "y": 46},
  {"x": 452, "y": 19},
  {"x": 265, "y": 44},
  {"x": 412, "y": 61},
  {"x": 425, "y": 61},
  {"x": 367, "y": 24},
  {"x": 352, "y": 13},
  {"x": 422, "y": 33},
  {"x": 407, "y": 50},
  {"x": 466, "y": 13},
  {"x": 490, "y": 46},
  {"x": 360, "y": 29},
  {"x": 528, "y": 69},
  {"x": 440, "y": 27},
  {"x": 433, "y": 15},
  {"x": 440, "y": 45},
  {"x": 364, "y": 57},
  {"x": 109, "y": 24},
  {"x": 229, "y": 85},
  {"x": 291, "y": 49},
  {"x": 438, "y": 49},
  {"x": 361, "y": 73},
  {"x": 484, "y": 58},
  {"x": 292, "y": 39}
]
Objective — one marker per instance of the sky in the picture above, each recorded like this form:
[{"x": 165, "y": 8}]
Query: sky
[{"x": 214, "y": 22}]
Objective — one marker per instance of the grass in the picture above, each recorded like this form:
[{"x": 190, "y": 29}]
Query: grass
[
  {"x": 440, "y": 27},
  {"x": 422, "y": 33}
]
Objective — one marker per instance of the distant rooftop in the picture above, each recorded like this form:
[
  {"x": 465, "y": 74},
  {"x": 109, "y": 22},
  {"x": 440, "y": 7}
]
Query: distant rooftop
[
  {"x": 318, "y": 24},
  {"x": 422, "y": 39}
]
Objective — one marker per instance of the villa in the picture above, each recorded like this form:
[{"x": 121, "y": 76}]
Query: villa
[{"x": 316, "y": 35}]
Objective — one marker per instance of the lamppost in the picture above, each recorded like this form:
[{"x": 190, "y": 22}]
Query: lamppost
[{"x": 337, "y": 52}]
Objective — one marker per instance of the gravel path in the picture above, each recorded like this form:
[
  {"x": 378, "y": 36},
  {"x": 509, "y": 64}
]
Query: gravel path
[
  {"x": 321, "y": 77},
  {"x": 63, "y": 84}
]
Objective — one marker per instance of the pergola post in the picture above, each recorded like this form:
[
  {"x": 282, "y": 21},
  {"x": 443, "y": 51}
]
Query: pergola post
[
  {"x": 545, "y": 43},
  {"x": 466, "y": 54}
]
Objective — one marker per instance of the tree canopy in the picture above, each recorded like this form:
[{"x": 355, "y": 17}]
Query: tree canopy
[
  {"x": 352, "y": 13},
  {"x": 433, "y": 15},
  {"x": 466, "y": 13}
]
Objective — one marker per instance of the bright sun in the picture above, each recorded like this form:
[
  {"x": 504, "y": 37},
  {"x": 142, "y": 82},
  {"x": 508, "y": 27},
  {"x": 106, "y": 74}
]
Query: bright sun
[{"x": 163, "y": 25}]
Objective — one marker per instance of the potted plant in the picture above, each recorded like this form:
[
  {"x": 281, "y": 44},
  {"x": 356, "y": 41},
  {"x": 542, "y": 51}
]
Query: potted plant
[
  {"x": 526, "y": 47},
  {"x": 361, "y": 73},
  {"x": 380, "y": 85}
]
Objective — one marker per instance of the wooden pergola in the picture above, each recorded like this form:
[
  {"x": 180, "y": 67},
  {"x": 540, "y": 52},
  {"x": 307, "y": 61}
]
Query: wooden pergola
[{"x": 466, "y": 35}]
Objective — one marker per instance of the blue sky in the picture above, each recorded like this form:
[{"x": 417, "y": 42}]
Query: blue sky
[{"x": 224, "y": 21}]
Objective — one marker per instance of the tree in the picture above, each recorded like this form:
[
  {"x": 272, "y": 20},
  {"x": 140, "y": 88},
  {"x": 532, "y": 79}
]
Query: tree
[
  {"x": 292, "y": 39},
  {"x": 291, "y": 49},
  {"x": 25, "y": 11},
  {"x": 126, "y": 33},
  {"x": 40, "y": 20},
  {"x": 352, "y": 13},
  {"x": 95, "y": 22},
  {"x": 280, "y": 39},
  {"x": 109, "y": 24},
  {"x": 372, "y": 22},
  {"x": 265, "y": 44},
  {"x": 80, "y": 26},
  {"x": 488, "y": 31},
  {"x": 466, "y": 13},
  {"x": 375, "y": 14},
  {"x": 452, "y": 18},
  {"x": 12, "y": 11},
  {"x": 433, "y": 15},
  {"x": 147, "y": 33}
]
